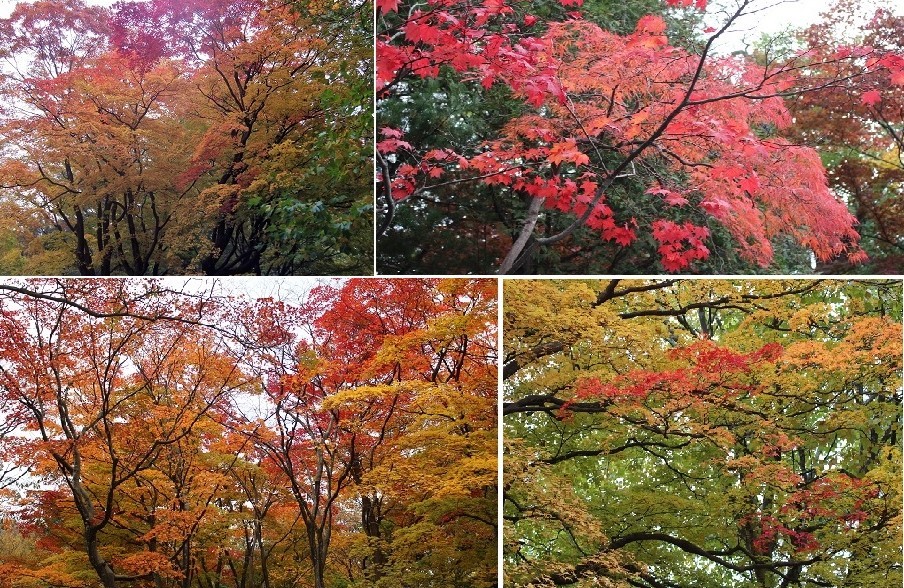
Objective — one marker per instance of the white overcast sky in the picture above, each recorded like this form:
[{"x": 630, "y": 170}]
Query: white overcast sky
[
  {"x": 292, "y": 289},
  {"x": 776, "y": 16}
]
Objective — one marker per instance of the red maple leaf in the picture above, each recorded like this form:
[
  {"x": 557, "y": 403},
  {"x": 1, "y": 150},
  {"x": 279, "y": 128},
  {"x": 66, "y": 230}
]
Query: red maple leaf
[
  {"x": 679, "y": 244},
  {"x": 751, "y": 184},
  {"x": 567, "y": 151},
  {"x": 419, "y": 32},
  {"x": 651, "y": 24},
  {"x": 871, "y": 98},
  {"x": 671, "y": 198},
  {"x": 386, "y": 6}
]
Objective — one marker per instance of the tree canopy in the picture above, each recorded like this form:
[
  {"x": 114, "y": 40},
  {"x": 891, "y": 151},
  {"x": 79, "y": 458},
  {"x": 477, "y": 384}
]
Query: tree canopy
[
  {"x": 702, "y": 433},
  {"x": 613, "y": 137},
  {"x": 183, "y": 437},
  {"x": 858, "y": 127},
  {"x": 159, "y": 137}
]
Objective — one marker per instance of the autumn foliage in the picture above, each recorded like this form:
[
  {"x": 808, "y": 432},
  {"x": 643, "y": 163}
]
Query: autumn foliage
[
  {"x": 857, "y": 125},
  {"x": 633, "y": 138},
  {"x": 195, "y": 437},
  {"x": 702, "y": 433},
  {"x": 159, "y": 137}
]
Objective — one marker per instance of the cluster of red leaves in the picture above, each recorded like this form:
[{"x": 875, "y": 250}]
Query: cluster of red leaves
[
  {"x": 708, "y": 356},
  {"x": 392, "y": 141},
  {"x": 136, "y": 32},
  {"x": 757, "y": 187},
  {"x": 883, "y": 62},
  {"x": 892, "y": 64},
  {"x": 679, "y": 245},
  {"x": 636, "y": 385},
  {"x": 147, "y": 31},
  {"x": 484, "y": 39},
  {"x": 859, "y": 119},
  {"x": 769, "y": 529},
  {"x": 709, "y": 364},
  {"x": 839, "y": 496}
]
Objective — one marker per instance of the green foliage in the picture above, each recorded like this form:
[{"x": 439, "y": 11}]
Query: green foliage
[
  {"x": 448, "y": 232},
  {"x": 703, "y": 433}
]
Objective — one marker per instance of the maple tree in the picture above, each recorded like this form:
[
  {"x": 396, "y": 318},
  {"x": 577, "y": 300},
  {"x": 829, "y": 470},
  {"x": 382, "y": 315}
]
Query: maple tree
[
  {"x": 153, "y": 137},
  {"x": 702, "y": 433},
  {"x": 857, "y": 127},
  {"x": 663, "y": 150},
  {"x": 80, "y": 384},
  {"x": 193, "y": 437},
  {"x": 389, "y": 369}
]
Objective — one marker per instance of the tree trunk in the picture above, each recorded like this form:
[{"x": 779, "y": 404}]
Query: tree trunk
[
  {"x": 371, "y": 516},
  {"x": 259, "y": 539},
  {"x": 100, "y": 565},
  {"x": 527, "y": 230},
  {"x": 318, "y": 546}
]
